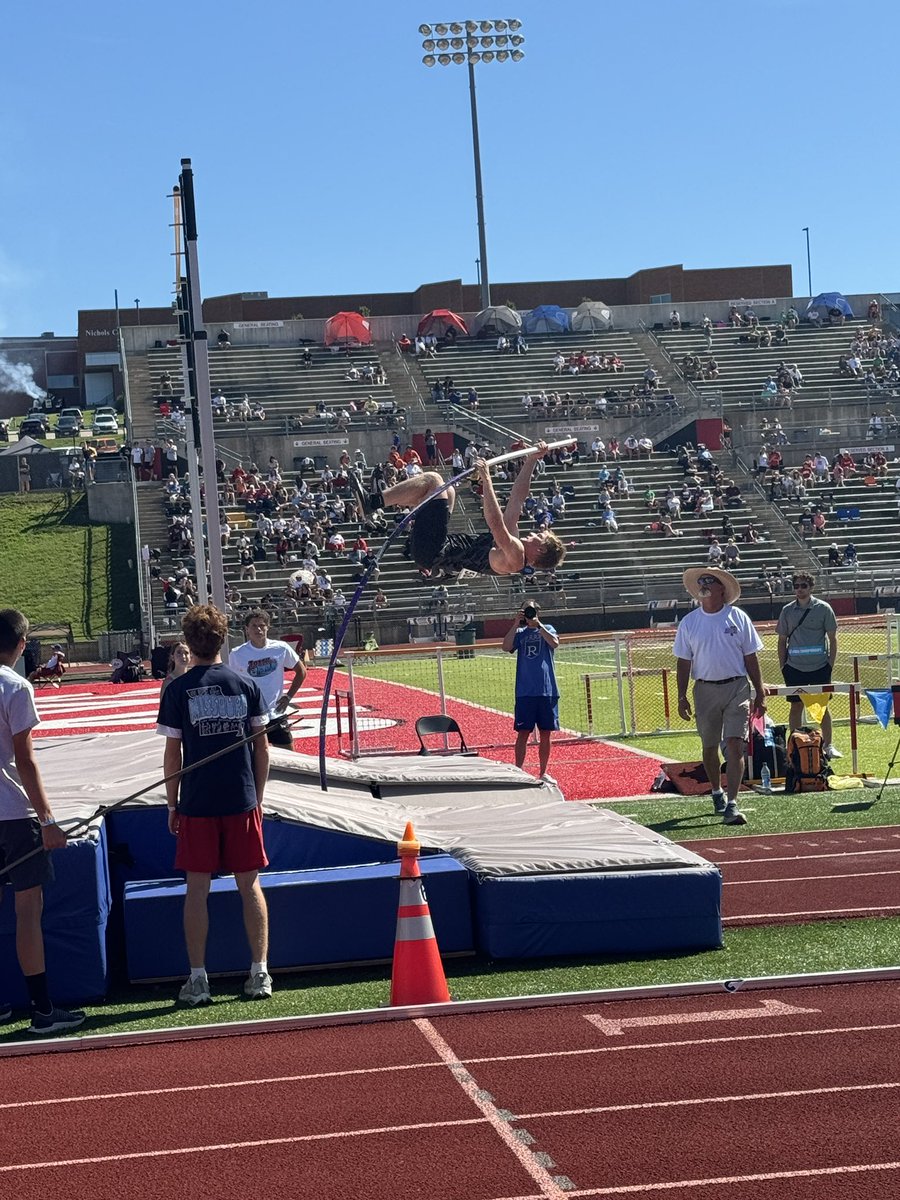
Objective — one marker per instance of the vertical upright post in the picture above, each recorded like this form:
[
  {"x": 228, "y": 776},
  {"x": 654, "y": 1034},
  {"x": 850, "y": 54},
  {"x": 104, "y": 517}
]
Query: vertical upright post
[
  {"x": 479, "y": 195},
  {"x": 808, "y": 262},
  {"x": 202, "y": 394}
]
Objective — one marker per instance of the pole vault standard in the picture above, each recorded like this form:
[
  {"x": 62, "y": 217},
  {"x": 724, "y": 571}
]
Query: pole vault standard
[{"x": 355, "y": 598}]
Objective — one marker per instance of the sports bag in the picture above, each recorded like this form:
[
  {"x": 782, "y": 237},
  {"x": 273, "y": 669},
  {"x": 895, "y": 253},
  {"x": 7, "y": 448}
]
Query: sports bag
[{"x": 807, "y": 767}]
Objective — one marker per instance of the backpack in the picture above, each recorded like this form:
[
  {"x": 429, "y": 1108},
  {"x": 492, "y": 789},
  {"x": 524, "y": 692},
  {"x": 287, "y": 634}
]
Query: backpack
[{"x": 807, "y": 767}]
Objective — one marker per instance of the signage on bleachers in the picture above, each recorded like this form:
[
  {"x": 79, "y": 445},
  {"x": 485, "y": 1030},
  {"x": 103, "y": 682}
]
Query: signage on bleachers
[
  {"x": 322, "y": 441},
  {"x": 575, "y": 427},
  {"x": 870, "y": 449},
  {"x": 757, "y": 302},
  {"x": 265, "y": 324}
]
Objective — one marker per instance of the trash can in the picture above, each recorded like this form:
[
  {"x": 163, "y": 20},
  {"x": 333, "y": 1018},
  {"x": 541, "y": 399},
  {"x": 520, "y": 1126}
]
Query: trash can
[
  {"x": 321, "y": 461},
  {"x": 32, "y": 655},
  {"x": 465, "y": 636}
]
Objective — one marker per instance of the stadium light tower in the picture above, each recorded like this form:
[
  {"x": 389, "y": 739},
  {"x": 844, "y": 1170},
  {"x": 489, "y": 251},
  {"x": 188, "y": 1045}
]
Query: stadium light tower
[{"x": 471, "y": 42}]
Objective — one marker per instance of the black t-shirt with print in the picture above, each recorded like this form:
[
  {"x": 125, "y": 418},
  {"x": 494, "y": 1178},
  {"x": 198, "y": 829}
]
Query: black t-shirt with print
[{"x": 210, "y": 708}]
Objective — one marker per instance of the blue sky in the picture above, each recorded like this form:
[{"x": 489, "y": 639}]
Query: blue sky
[{"x": 327, "y": 158}]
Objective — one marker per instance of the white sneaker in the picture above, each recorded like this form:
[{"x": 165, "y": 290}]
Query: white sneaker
[
  {"x": 832, "y": 752},
  {"x": 545, "y": 778},
  {"x": 195, "y": 991},
  {"x": 258, "y": 986}
]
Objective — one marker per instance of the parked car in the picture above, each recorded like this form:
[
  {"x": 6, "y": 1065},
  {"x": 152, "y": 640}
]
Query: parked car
[
  {"x": 67, "y": 426},
  {"x": 106, "y": 409},
  {"x": 34, "y": 424},
  {"x": 73, "y": 414},
  {"x": 105, "y": 422},
  {"x": 105, "y": 446}
]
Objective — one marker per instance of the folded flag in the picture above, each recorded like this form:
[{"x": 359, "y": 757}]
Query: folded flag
[
  {"x": 882, "y": 705},
  {"x": 815, "y": 704}
]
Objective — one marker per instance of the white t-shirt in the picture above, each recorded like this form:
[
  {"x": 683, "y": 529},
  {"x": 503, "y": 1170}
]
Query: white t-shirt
[
  {"x": 17, "y": 713},
  {"x": 716, "y": 643},
  {"x": 265, "y": 666}
]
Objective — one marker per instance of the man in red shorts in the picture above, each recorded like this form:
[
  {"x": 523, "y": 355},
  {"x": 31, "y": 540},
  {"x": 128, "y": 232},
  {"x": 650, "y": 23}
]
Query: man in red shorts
[{"x": 215, "y": 811}]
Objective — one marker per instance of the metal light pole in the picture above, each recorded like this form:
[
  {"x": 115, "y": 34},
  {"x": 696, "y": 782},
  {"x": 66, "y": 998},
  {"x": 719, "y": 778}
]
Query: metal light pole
[
  {"x": 473, "y": 42},
  {"x": 808, "y": 262}
]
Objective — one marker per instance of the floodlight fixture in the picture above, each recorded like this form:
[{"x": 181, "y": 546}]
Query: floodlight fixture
[{"x": 484, "y": 42}]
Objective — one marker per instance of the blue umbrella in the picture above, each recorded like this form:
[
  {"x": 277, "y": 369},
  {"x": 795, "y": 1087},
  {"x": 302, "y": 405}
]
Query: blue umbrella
[
  {"x": 828, "y": 300},
  {"x": 547, "y": 318}
]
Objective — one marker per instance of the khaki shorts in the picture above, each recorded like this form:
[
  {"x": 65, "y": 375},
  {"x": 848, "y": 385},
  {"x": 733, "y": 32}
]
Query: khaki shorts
[{"x": 722, "y": 710}]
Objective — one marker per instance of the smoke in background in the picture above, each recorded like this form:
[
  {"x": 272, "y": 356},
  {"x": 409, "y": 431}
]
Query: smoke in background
[{"x": 19, "y": 377}]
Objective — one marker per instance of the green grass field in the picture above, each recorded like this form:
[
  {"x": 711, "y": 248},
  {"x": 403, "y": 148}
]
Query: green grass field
[
  {"x": 488, "y": 680},
  {"x": 57, "y": 567}
]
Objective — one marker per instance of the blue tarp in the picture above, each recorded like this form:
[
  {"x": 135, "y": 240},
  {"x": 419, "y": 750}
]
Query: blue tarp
[
  {"x": 826, "y": 300},
  {"x": 547, "y": 318}
]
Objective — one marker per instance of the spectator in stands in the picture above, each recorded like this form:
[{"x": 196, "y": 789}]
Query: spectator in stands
[
  {"x": 608, "y": 520},
  {"x": 223, "y": 340},
  {"x": 731, "y": 554},
  {"x": 851, "y": 556},
  {"x": 874, "y": 311},
  {"x": 835, "y": 558},
  {"x": 714, "y": 553},
  {"x": 645, "y": 447},
  {"x": 751, "y": 533},
  {"x": 674, "y": 319}
]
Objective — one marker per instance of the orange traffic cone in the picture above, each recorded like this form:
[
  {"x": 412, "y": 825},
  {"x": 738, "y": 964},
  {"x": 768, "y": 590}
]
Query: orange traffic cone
[{"x": 418, "y": 974}]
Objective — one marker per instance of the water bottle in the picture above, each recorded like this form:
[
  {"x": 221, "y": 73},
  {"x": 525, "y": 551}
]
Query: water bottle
[{"x": 765, "y": 778}]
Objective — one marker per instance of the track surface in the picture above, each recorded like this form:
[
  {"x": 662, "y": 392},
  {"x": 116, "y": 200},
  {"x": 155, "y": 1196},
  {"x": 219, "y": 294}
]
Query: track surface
[
  {"x": 795, "y": 877},
  {"x": 748, "y": 1095}
]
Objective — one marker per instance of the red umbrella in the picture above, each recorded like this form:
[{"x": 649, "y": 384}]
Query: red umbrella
[
  {"x": 346, "y": 328},
  {"x": 439, "y": 321}
]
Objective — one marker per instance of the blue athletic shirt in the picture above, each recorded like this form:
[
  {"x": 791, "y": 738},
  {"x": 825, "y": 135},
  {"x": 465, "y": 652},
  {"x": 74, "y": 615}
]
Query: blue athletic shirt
[
  {"x": 534, "y": 663},
  {"x": 209, "y": 708}
]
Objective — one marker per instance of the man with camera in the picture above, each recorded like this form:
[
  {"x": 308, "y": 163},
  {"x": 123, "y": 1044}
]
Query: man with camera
[{"x": 537, "y": 695}]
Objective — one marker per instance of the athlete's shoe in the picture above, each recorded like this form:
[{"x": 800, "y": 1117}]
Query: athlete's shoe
[
  {"x": 196, "y": 991},
  {"x": 258, "y": 986},
  {"x": 733, "y": 815},
  {"x": 832, "y": 752},
  {"x": 57, "y": 1020},
  {"x": 718, "y": 799}
]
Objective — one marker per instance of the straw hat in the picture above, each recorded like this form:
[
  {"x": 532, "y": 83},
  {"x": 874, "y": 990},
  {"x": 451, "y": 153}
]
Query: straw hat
[{"x": 727, "y": 580}]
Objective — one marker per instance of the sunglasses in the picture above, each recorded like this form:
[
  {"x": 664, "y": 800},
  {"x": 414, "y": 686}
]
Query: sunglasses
[
  {"x": 800, "y": 584},
  {"x": 708, "y": 580}
]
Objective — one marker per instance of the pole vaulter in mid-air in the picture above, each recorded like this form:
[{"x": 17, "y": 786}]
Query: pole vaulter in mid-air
[{"x": 500, "y": 551}]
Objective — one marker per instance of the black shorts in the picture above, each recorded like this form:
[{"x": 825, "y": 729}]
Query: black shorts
[
  {"x": 278, "y": 734},
  {"x": 17, "y": 838},
  {"x": 429, "y": 532},
  {"x": 796, "y": 678}
]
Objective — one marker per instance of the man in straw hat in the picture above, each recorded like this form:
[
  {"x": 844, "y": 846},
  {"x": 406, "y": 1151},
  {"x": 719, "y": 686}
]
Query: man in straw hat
[{"x": 717, "y": 646}]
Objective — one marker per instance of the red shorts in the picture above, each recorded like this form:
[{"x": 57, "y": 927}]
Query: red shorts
[{"x": 221, "y": 845}]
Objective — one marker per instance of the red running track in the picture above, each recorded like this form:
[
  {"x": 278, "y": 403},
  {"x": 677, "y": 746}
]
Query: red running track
[
  {"x": 788, "y": 1093},
  {"x": 795, "y": 877}
]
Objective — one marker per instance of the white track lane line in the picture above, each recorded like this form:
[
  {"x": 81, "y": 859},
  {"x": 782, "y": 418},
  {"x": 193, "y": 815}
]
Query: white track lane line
[
  {"x": 49, "y": 1164},
  {"x": 766, "y": 859},
  {"x": 431, "y": 1065},
  {"x": 808, "y": 878},
  {"x": 549, "y": 1186},
  {"x": 699, "y": 1101},
  {"x": 731, "y": 1180},
  {"x": 812, "y": 912}
]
